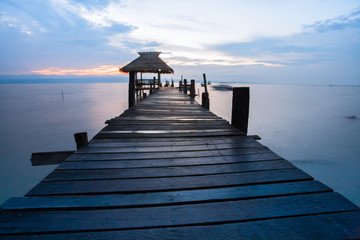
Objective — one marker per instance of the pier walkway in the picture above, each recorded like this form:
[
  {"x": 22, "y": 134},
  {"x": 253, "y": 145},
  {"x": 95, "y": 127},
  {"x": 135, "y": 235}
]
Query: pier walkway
[{"x": 169, "y": 169}]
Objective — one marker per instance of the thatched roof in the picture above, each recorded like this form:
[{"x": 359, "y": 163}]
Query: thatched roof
[{"x": 148, "y": 62}]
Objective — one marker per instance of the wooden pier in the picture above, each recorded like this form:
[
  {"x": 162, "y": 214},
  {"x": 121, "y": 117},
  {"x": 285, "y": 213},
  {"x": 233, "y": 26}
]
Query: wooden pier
[{"x": 168, "y": 168}]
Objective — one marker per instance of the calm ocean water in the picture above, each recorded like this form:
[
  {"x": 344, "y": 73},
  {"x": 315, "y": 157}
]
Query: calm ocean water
[{"x": 317, "y": 128}]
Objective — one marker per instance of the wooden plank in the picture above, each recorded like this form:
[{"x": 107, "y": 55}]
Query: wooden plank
[
  {"x": 204, "y": 147},
  {"x": 169, "y": 132},
  {"x": 166, "y": 183},
  {"x": 174, "y": 139},
  {"x": 174, "y": 118},
  {"x": 167, "y": 216},
  {"x": 166, "y": 127},
  {"x": 342, "y": 225},
  {"x": 168, "y": 121},
  {"x": 167, "y": 171},
  {"x": 165, "y": 155},
  {"x": 169, "y": 135},
  {"x": 49, "y": 158},
  {"x": 121, "y": 164},
  {"x": 164, "y": 143},
  {"x": 163, "y": 198}
]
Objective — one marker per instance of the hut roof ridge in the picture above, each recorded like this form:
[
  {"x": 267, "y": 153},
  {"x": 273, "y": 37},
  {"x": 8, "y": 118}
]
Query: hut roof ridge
[{"x": 149, "y": 62}]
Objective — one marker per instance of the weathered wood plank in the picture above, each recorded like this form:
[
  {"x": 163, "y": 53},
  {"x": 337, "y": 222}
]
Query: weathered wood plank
[
  {"x": 204, "y": 147},
  {"x": 164, "y": 143},
  {"x": 165, "y": 127},
  {"x": 49, "y": 158},
  {"x": 170, "y": 135},
  {"x": 182, "y": 215},
  {"x": 165, "y": 155},
  {"x": 324, "y": 226},
  {"x": 167, "y": 171},
  {"x": 101, "y": 164},
  {"x": 166, "y": 183},
  {"x": 163, "y": 198}
]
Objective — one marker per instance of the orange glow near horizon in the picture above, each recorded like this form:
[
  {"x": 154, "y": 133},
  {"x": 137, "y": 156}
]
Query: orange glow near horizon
[{"x": 104, "y": 70}]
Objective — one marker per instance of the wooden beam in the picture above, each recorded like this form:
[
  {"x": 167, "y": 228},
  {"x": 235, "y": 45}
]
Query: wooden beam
[{"x": 49, "y": 158}]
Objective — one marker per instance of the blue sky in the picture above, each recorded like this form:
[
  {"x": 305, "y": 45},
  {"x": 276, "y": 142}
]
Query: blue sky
[{"x": 279, "y": 41}]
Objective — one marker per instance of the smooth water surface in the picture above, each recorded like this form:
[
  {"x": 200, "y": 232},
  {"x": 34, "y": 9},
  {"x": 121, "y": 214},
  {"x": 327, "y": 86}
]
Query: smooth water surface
[
  {"x": 317, "y": 128},
  {"x": 44, "y": 117}
]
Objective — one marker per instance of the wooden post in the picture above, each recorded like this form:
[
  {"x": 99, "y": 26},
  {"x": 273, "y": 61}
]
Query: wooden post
[
  {"x": 192, "y": 88},
  {"x": 205, "y": 101},
  {"x": 159, "y": 79},
  {"x": 205, "y": 83},
  {"x": 154, "y": 81},
  {"x": 81, "y": 139},
  {"x": 185, "y": 86},
  {"x": 180, "y": 85},
  {"x": 240, "y": 108},
  {"x": 132, "y": 76},
  {"x": 172, "y": 83}
]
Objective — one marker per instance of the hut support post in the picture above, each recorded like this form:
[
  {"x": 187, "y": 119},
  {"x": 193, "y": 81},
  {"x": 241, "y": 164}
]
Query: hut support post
[
  {"x": 205, "y": 102},
  {"x": 132, "y": 76},
  {"x": 240, "y": 108},
  {"x": 185, "y": 86},
  {"x": 159, "y": 81},
  {"x": 180, "y": 85},
  {"x": 192, "y": 88}
]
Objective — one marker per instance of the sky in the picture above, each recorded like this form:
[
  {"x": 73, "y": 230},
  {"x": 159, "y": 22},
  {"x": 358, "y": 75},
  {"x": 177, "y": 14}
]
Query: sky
[{"x": 278, "y": 41}]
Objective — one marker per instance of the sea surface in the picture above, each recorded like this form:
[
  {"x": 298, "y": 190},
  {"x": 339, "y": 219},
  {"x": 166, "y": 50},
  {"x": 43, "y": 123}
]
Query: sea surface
[{"x": 317, "y": 128}]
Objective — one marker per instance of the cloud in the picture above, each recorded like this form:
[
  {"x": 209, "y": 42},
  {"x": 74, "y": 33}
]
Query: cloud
[
  {"x": 68, "y": 36},
  {"x": 100, "y": 70},
  {"x": 12, "y": 22},
  {"x": 352, "y": 20}
]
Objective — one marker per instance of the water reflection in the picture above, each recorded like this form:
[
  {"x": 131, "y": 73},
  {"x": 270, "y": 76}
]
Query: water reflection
[
  {"x": 44, "y": 117},
  {"x": 308, "y": 125}
]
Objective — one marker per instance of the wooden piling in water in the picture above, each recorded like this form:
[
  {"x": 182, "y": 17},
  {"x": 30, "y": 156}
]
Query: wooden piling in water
[
  {"x": 185, "y": 86},
  {"x": 240, "y": 108},
  {"x": 192, "y": 88},
  {"x": 205, "y": 102},
  {"x": 81, "y": 139}
]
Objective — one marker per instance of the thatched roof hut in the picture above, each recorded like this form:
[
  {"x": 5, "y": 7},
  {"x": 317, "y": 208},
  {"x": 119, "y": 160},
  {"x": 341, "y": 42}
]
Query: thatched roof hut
[{"x": 148, "y": 62}]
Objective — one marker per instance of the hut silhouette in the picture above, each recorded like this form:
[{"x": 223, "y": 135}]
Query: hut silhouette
[{"x": 147, "y": 62}]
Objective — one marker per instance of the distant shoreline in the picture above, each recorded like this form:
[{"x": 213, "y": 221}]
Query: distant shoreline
[{"x": 30, "y": 79}]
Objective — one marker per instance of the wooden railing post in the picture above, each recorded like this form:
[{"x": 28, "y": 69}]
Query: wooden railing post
[
  {"x": 81, "y": 139},
  {"x": 192, "y": 88},
  {"x": 205, "y": 102},
  {"x": 240, "y": 108},
  {"x": 185, "y": 86}
]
